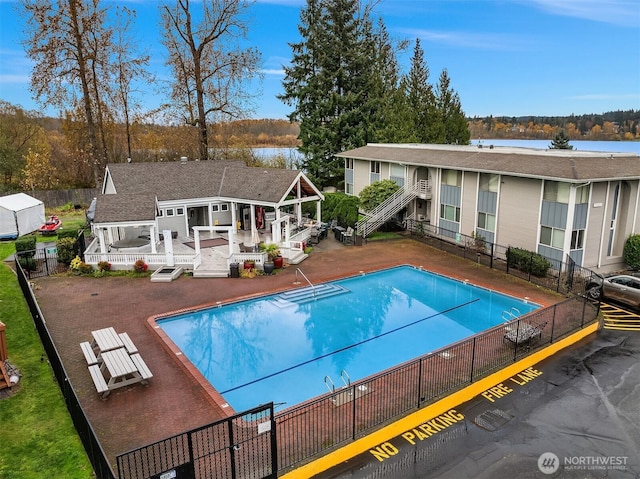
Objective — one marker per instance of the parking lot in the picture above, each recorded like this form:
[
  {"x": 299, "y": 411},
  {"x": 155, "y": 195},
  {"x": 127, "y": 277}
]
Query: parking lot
[{"x": 574, "y": 414}]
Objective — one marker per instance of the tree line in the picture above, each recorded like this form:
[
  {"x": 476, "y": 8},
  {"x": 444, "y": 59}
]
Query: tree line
[
  {"x": 344, "y": 85},
  {"x": 611, "y": 126}
]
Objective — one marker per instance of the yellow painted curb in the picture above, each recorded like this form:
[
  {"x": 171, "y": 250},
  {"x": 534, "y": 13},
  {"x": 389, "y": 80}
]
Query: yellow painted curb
[{"x": 450, "y": 402}]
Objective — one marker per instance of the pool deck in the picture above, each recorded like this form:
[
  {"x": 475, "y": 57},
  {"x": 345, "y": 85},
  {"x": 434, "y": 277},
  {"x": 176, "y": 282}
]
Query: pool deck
[{"x": 174, "y": 402}]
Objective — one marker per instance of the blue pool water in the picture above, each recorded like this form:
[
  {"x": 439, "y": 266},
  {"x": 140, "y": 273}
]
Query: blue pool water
[{"x": 364, "y": 325}]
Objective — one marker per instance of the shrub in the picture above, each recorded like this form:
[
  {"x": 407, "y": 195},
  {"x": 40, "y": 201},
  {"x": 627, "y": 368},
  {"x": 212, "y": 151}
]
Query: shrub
[
  {"x": 26, "y": 246},
  {"x": 28, "y": 263},
  {"x": 66, "y": 250},
  {"x": 67, "y": 234},
  {"x": 376, "y": 193},
  {"x": 528, "y": 261},
  {"x": 140, "y": 266},
  {"x": 104, "y": 266},
  {"x": 80, "y": 267},
  {"x": 631, "y": 252}
]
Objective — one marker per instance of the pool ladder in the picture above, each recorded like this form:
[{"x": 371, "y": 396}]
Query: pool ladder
[
  {"x": 346, "y": 379},
  {"x": 513, "y": 313}
]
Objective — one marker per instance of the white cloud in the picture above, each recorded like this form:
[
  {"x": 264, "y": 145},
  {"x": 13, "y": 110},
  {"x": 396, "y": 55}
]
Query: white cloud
[
  {"x": 480, "y": 41},
  {"x": 9, "y": 78},
  {"x": 273, "y": 71},
  {"x": 616, "y": 12}
]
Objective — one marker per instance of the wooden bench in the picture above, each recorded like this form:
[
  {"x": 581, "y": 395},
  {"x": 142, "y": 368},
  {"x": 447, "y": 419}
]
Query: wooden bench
[
  {"x": 89, "y": 355},
  {"x": 143, "y": 369},
  {"x": 126, "y": 340},
  {"x": 98, "y": 380}
]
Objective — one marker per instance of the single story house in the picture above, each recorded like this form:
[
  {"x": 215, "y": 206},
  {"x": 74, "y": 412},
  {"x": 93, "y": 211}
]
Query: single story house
[
  {"x": 558, "y": 203},
  {"x": 150, "y": 210}
]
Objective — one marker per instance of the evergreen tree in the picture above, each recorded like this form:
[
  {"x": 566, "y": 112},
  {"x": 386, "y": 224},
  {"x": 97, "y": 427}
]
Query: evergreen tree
[
  {"x": 560, "y": 142},
  {"x": 451, "y": 126},
  {"x": 328, "y": 84},
  {"x": 420, "y": 98}
]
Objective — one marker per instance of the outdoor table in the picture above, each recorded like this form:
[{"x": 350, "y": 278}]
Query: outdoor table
[
  {"x": 120, "y": 367},
  {"x": 106, "y": 339}
]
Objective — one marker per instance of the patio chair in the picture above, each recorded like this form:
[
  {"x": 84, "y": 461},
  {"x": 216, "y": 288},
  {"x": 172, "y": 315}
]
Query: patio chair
[
  {"x": 315, "y": 236},
  {"x": 347, "y": 236}
]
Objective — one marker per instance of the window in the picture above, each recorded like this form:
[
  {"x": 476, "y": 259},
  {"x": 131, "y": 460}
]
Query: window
[
  {"x": 160, "y": 213},
  {"x": 348, "y": 188},
  {"x": 224, "y": 207},
  {"x": 179, "y": 211},
  {"x": 348, "y": 163},
  {"x": 556, "y": 192},
  {"x": 375, "y": 167},
  {"x": 582, "y": 194},
  {"x": 452, "y": 177},
  {"x": 553, "y": 237},
  {"x": 169, "y": 211},
  {"x": 487, "y": 221},
  {"x": 450, "y": 213},
  {"x": 489, "y": 182},
  {"x": 577, "y": 239},
  {"x": 215, "y": 208}
]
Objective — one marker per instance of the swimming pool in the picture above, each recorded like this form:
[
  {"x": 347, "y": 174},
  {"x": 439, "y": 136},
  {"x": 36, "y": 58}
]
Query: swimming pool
[{"x": 281, "y": 347}]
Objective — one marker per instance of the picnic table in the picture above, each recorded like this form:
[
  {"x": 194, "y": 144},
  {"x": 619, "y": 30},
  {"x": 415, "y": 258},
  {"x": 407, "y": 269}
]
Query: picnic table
[
  {"x": 106, "y": 339},
  {"x": 116, "y": 363}
]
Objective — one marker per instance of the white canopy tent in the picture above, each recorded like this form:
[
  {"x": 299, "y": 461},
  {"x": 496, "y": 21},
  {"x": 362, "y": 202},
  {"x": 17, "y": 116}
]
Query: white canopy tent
[{"x": 20, "y": 214}]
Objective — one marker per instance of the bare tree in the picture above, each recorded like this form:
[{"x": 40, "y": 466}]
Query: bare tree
[
  {"x": 129, "y": 69},
  {"x": 210, "y": 66},
  {"x": 69, "y": 44}
]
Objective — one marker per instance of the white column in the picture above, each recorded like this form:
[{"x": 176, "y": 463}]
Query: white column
[
  {"x": 196, "y": 240},
  {"x": 168, "y": 247},
  {"x": 153, "y": 239},
  {"x": 101, "y": 240},
  {"x": 319, "y": 211}
]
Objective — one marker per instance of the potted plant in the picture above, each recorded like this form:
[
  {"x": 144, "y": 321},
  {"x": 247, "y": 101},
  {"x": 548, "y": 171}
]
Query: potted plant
[
  {"x": 273, "y": 252},
  {"x": 249, "y": 264}
]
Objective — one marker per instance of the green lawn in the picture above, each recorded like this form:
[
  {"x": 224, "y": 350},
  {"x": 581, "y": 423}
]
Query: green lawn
[{"x": 37, "y": 438}]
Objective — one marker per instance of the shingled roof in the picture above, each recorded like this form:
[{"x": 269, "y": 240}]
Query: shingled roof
[
  {"x": 205, "y": 179},
  {"x": 562, "y": 165},
  {"x": 131, "y": 207}
]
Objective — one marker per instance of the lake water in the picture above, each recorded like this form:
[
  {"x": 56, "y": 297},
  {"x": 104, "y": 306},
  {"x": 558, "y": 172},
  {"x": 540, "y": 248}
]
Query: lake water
[
  {"x": 292, "y": 154},
  {"x": 579, "y": 145}
]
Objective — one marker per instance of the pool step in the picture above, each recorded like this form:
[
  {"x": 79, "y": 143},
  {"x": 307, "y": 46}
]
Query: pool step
[{"x": 308, "y": 293}]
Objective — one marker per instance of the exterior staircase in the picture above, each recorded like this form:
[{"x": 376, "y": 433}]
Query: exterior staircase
[{"x": 388, "y": 208}]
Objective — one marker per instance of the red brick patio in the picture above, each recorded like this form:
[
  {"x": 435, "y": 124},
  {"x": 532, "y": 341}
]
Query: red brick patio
[{"x": 173, "y": 402}]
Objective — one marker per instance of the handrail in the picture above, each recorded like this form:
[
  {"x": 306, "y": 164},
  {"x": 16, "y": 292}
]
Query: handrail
[
  {"x": 313, "y": 288},
  {"x": 347, "y": 381},
  {"x": 381, "y": 213},
  {"x": 331, "y": 388}
]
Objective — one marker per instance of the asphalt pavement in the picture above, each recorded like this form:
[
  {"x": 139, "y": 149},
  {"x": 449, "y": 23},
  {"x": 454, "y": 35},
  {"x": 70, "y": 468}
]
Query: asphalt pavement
[{"x": 574, "y": 415}]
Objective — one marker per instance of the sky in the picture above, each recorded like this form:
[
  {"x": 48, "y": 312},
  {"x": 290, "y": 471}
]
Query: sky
[{"x": 503, "y": 57}]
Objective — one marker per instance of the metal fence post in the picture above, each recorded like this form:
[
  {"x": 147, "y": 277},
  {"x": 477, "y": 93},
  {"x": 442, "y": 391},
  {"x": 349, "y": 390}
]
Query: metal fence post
[
  {"x": 353, "y": 413},
  {"x": 473, "y": 358},
  {"x": 553, "y": 323}
]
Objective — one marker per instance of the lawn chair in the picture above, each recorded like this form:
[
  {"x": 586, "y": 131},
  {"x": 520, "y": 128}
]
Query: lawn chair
[{"x": 347, "y": 236}]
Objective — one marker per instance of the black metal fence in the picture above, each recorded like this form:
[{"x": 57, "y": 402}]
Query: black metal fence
[
  {"x": 87, "y": 435},
  {"x": 563, "y": 277},
  {"x": 242, "y": 446},
  {"x": 336, "y": 418},
  {"x": 43, "y": 261},
  {"x": 239, "y": 447}
]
